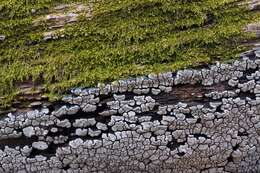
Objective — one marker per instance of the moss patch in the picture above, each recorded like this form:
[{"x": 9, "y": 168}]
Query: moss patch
[{"x": 123, "y": 38}]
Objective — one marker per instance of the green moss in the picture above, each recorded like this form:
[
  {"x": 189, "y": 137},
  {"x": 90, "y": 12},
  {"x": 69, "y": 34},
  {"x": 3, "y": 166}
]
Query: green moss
[{"x": 124, "y": 38}]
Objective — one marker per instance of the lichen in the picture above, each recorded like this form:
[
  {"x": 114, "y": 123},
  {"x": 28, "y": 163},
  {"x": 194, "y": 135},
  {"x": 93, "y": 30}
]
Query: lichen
[{"x": 202, "y": 120}]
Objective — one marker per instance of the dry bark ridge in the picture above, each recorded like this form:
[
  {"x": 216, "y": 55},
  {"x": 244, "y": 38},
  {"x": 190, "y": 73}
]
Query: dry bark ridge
[{"x": 200, "y": 120}]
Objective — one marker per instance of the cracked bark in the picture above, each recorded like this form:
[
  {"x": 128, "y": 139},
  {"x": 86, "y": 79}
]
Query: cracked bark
[{"x": 203, "y": 120}]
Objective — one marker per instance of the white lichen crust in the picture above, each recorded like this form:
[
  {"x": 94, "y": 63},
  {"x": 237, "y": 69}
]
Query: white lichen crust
[{"x": 193, "y": 121}]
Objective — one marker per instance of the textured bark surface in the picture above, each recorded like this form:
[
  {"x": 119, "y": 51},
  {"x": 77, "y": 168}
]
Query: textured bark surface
[{"x": 203, "y": 120}]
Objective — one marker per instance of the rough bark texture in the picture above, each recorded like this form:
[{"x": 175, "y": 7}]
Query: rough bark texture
[{"x": 203, "y": 120}]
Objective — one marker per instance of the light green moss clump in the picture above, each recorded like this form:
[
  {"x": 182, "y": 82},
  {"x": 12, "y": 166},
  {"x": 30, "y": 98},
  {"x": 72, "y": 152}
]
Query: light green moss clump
[{"x": 123, "y": 38}]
